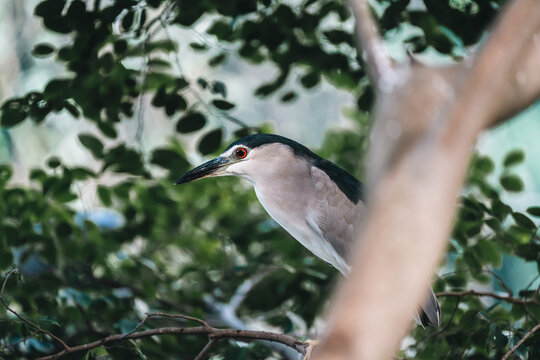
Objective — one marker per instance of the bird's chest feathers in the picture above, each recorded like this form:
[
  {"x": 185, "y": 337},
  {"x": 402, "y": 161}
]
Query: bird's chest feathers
[{"x": 285, "y": 200}]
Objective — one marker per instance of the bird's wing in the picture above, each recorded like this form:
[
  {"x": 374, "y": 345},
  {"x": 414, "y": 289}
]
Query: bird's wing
[
  {"x": 337, "y": 219},
  {"x": 332, "y": 214}
]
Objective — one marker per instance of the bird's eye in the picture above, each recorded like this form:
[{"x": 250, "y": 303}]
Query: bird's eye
[{"x": 241, "y": 153}]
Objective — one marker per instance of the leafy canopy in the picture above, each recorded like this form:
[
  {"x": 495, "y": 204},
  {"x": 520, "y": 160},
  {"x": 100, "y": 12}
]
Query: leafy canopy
[{"x": 154, "y": 247}]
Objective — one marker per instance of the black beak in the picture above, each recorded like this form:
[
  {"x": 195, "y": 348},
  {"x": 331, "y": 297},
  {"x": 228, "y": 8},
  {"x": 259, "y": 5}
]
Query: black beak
[{"x": 207, "y": 169}]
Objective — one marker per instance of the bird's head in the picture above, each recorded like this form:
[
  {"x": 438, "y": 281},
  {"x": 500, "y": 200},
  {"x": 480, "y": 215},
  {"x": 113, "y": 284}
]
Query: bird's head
[{"x": 250, "y": 157}]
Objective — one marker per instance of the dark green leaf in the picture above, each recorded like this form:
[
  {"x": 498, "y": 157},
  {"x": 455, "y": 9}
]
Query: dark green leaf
[
  {"x": 198, "y": 46},
  {"x": 216, "y": 60},
  {"x": 222, "y": 104},
  {"x": 53, "y": 162},
  {"x": 288, "y": 96},
  {"x": 168, "y": 159},
  {"x": 93, "y": 144},
  {"x": 210, "y": 142},
  {"x": 511, "y": 183},
  {"x": 523, "y": 220},
  {"x": 310, "y": 79},
  {"x": 104, "y": 195},
  {"x": 484, "y": 164},
  {"x": 534, "y": 211},
  {"x": 190, "y": 122},
  {"x": 514, "y": 157},
  {"x": 41, "y": 50},
  {"x": 218, "y": 87}
]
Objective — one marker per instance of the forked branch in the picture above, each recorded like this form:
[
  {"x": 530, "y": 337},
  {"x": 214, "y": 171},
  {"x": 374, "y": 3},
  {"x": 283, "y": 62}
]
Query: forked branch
[{"x": 380, "y": 68}]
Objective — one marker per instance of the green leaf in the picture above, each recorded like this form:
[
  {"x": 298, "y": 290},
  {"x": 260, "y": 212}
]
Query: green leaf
[
  {"x": 53, "y": 162},
  {"x": 198, "y": 46},
  {"x": 511, "y": 183},
  {"x": 222, "y": 104},
  {"x": 168, "y": 159},
  {"x": 218, "y": 87},
  {"x": 104, "y": 195},
  {"x": 529, "y": 252},
  {"x": 5, "y": 174},
  {"x": 338, "y": 36},
  {"x": 288, "y": 96},
  {"x": 49, "y": 8},
  {"x": 190, "y": 122},
  {"x": 13, "y": 113},
  {"x": 221, "y": 29},
  {"x": 93, "y": 144},
  {"x": 484, "y": 164},
  {"x": 489, "y": 252},
  {"x": 524, "y": 221},
  {"x": 42, "y": 50},
  {"x": 310, "y": 79},
  {"x": 107, "y": 129},
  {"x": 210, "y": 142},
  {"x": 514, "y": 157},
  {"x": 218, "y": 59},
  {"x": 162, "y": 45},
  {"x": 534, "y": 211}
]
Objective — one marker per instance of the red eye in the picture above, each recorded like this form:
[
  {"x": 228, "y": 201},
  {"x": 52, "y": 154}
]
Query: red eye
[{"x": 241, "y": 153}]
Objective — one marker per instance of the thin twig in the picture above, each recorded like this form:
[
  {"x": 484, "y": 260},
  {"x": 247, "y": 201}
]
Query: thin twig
[
  {"x": 160, "y": 314},
  {"x": 501, "y": 282},
  {"x": 28, "y": 322},
  {"x": 205, "y": 349},
  {"x": 509, "y": 299},
  {"x": 521, "y": 341}
]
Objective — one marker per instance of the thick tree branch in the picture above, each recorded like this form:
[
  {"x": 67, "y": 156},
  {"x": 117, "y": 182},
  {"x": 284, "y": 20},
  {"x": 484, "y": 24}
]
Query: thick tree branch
[
  {"x": 504, "y": 67},
  {"x": 380, "y": 69},
  {"x": 424, "y": 128},
  {"x": 520, "y": 342}
]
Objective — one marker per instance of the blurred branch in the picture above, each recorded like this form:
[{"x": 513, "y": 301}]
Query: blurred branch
[
  {"x": 205, "y": 350},
  {"x": 513, "y": 53},
  {"x": 521, "y": 341},
  {"x": 510, "y": 299},
  {"x": 424, "y": 128},
  {"x": 380, "y": 68},
  {"x": 24, "y": 320},
  {"x": 213, "y": 334}
]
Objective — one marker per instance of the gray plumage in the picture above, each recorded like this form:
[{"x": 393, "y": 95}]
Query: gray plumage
[{"x": 314, "y": 200}]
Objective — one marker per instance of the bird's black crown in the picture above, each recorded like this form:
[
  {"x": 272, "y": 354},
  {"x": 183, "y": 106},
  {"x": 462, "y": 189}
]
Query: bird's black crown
[{"x": 348, "y": 184}]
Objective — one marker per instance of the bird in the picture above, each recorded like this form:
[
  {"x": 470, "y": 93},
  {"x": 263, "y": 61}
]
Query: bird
[{"x": 318, "y": 203}]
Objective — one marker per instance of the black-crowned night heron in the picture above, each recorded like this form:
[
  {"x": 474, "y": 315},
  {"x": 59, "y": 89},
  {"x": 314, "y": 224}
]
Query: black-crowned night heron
[{"x": 317, "y": 202}]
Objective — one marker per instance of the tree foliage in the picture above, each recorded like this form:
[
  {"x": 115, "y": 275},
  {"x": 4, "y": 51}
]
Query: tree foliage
[{"x": 153, "y": 247}]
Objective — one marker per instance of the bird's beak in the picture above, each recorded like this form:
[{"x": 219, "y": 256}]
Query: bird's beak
[{"x": 214, "y": 167}]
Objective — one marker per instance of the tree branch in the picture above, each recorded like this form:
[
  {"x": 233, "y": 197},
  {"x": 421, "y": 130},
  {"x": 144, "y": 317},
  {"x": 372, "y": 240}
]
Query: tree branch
[
  {"x": 509, "y": 299},
  {"x": 425, "y": 126},
  {"x": 212, "y": 332},
  {"x": 513, "y": 54},
  {"x": 380, "y": 68},
  {"x": 205, "y": 350},
  {"x": 521, "y": 341}
]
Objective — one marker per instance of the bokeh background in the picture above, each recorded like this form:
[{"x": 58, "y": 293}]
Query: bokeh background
[{"x": 120, "y": 240}]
